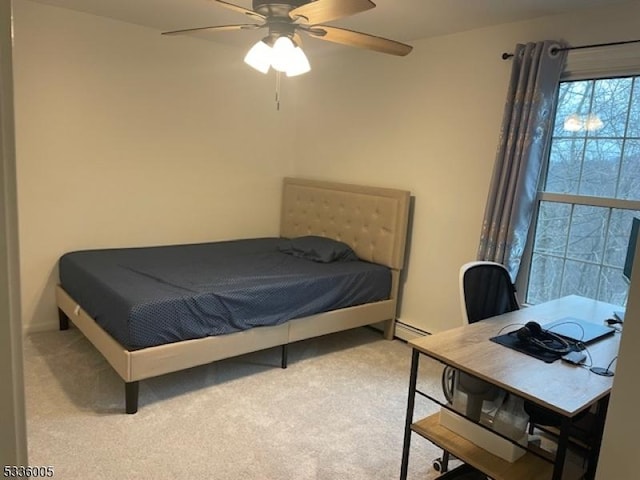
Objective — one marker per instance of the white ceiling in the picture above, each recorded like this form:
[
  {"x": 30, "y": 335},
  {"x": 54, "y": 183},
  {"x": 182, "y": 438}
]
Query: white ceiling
[{"x": 402, "y": 20}]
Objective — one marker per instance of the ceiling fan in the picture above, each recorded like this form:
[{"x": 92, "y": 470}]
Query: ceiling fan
[{"x": 284, "y": 19}]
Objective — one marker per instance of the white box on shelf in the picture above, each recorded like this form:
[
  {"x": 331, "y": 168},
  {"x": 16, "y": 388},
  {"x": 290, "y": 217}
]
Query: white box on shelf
[{"x": 482, "y": 437}]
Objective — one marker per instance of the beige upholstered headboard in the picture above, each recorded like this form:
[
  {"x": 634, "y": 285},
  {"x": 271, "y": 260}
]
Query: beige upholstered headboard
[{"x": 371, "y": 220}]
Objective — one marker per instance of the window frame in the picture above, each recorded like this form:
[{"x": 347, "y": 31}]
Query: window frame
[{"x": 590, "y": 64}]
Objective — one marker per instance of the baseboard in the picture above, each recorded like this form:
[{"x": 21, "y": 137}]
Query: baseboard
[
  {"x": 39, "y": 327},
  {"x": 408, "y": 332}
]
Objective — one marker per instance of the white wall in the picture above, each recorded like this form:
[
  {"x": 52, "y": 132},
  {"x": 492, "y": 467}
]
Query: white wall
[
  {"x": 429, "y": 123},
  {"x": 618, "y": 457},
  {"x": 129, "y": 138},
  {"x": 125, "y": 137}
]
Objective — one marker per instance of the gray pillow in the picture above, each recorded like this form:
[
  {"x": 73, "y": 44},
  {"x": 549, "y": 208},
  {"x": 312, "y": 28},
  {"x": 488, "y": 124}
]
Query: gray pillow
[{"x": 317, "y": 249}]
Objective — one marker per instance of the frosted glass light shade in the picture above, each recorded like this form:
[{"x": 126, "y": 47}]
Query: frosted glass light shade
[
  {"x": 298, "y": 63},
  {"x": 283, "y": 50},
  {"x": 259, "y": 57},
  {"x": 284, "y": 56}
]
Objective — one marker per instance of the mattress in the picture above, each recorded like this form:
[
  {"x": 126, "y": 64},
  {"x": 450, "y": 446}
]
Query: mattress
[{"x": 151, "y": 296}]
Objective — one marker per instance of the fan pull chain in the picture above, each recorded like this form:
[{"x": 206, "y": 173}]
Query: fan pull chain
[{"x": 278, "y": 73}]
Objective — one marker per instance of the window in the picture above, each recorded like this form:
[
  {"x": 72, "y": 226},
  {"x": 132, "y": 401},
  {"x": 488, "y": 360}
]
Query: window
[{"x": 590, "y": 193}]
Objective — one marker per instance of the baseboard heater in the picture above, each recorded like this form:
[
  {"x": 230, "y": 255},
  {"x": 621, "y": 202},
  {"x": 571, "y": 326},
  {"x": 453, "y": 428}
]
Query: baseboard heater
[{"x": 408, "y": 332}]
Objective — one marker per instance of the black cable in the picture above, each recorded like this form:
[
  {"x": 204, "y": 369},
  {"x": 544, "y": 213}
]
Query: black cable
[
  {"x": 578, "y": 344},
  {"x": 611, "y": 362},
  {"x": 569, "y": 322},
  {"x": 510, "y": 325},
  {"x": 547, "y": 344},
  {"x": 590, "y": 358},
  {"x": 605, "y": 372}
]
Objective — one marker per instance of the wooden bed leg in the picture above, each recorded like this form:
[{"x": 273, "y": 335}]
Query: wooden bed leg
[
  {"x": 63, "y": 320},
  {"x": 131, "y": 396},
  {"x": 285, "y": 354}
]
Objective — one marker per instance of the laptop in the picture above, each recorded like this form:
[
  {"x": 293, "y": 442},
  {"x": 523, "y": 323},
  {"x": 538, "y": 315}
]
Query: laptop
[{"x": 579, "y": 330}]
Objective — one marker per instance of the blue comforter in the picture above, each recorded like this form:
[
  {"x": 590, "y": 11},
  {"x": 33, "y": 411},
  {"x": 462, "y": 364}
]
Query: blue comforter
[{"x": 155, "y": 295}]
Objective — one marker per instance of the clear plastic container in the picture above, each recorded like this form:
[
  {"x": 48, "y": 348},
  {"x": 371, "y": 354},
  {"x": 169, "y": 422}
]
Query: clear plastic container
[
  {"x": 511, "y": 420},
  {"x": 476, "y": 399}
]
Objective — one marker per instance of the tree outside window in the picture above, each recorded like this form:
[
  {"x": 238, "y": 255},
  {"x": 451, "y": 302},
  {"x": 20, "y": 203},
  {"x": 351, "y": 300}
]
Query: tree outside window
[{"x": 590, "y": 193}]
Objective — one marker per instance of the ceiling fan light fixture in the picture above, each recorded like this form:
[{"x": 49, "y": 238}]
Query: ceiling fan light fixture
[
  {"x": 298, "y": 63},
  {"x": 286, "y": 19},
  {"x": 282, "y": 53},
  {"x": 259, "y": 57}
]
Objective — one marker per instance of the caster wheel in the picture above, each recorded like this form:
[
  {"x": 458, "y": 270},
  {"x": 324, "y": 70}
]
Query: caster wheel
[{"x": 437, "y": 465}]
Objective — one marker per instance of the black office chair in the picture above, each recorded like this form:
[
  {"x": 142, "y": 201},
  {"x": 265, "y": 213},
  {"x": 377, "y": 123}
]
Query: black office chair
[{"x": 486, "y": 290}]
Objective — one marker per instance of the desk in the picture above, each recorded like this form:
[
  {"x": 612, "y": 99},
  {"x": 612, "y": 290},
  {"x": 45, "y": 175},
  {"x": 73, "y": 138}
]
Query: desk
[{"x": 560, "y": 387}]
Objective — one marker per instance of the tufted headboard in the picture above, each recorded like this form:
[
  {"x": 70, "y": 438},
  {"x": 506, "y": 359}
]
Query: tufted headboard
[{"x": 371, "y": 220}]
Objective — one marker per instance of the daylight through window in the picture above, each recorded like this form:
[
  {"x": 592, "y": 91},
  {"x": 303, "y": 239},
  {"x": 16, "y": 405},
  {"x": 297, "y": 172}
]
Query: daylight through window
[{"x": 590, "y": 193}]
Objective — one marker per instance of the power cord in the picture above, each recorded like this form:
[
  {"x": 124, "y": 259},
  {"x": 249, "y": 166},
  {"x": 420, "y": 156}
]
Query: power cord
[
  {"x": 510, "y": 325},
  {"x": 605, "y": 372},
  {"x": 574, "y": 345},
  {"x": 570, "y": 323}
]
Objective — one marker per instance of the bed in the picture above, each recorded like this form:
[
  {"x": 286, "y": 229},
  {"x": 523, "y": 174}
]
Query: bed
[{"x": 337, "y": 262}]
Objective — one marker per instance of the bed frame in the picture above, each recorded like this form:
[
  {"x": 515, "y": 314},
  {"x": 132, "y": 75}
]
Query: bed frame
[{"x": 373, "y": 221}]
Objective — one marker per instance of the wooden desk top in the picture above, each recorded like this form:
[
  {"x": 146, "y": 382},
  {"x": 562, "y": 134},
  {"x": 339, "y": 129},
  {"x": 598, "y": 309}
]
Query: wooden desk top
[{"x": 559, "y": 386}]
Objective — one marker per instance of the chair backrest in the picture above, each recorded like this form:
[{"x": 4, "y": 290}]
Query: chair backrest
[{"x": 486, "y": 290}]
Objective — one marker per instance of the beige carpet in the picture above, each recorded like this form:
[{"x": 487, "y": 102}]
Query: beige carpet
[{"x": 336, "y": 413}]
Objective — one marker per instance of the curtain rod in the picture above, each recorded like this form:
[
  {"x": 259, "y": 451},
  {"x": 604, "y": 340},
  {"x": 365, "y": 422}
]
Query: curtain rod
[{"x": 506, "y": 56}]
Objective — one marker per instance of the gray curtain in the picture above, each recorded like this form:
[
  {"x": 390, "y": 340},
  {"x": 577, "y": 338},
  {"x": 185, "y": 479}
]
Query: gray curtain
[{"x": 523, "y": 145}]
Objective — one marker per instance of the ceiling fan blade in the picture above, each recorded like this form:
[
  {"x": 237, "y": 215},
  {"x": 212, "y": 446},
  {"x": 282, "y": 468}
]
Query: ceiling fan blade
[
  {"x": 220, "y": 28},
  {"x": 239, "y": 9},
  {"x": 358, "y": 39},
  {"x": 321, "y": 11}
]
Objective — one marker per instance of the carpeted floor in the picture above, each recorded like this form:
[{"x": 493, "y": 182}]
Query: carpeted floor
[{"x": 337, "y": 413}]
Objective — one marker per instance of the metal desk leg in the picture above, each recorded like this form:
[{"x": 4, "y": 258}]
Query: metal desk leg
[
  {"x": 563, "y": 444},
  {"x": 413, "y": 379},
  {"x": 596, "y": 441}
]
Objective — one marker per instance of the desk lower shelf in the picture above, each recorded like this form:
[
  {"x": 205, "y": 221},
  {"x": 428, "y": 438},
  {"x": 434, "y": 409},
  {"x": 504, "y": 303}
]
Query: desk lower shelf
[{"x": 527, "y": 467}]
